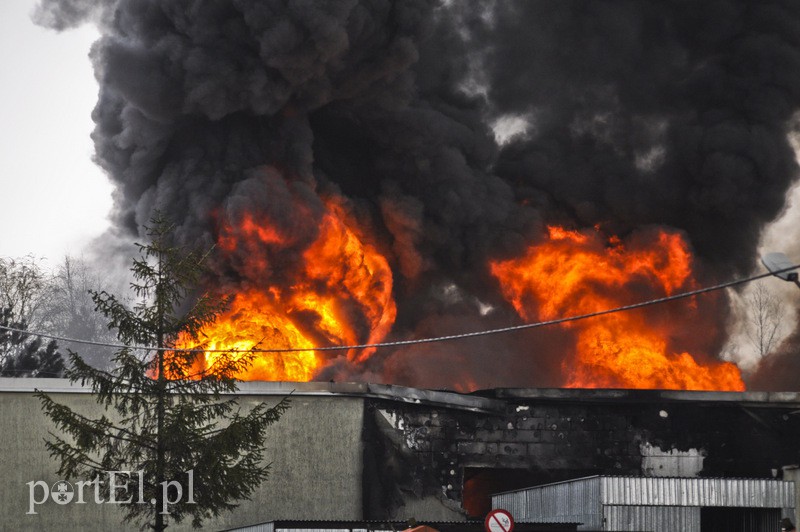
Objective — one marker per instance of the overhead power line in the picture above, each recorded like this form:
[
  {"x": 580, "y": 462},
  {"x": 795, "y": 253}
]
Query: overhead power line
[{"x": 430, "y": 340}]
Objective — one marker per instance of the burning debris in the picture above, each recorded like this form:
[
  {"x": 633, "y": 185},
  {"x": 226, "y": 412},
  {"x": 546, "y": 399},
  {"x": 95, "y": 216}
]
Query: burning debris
[{"x": 342, "y": 158}]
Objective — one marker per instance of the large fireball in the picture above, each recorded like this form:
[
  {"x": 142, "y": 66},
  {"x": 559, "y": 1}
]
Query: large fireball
[
  {"x": 575, "y": 273},
  {"x": 340, "y": 293}
]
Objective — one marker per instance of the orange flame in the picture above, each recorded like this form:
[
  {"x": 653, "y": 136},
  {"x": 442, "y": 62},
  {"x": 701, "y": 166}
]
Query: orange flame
[
  {"x": 254, "y": 321},
  {"x": 580, "y": 273},
  {"x": 339, "y": 294}
]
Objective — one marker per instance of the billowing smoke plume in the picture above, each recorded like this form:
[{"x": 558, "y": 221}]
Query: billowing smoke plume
[
  {"x": 632, "y": 114},
  {"x": 652, "y": 112}
]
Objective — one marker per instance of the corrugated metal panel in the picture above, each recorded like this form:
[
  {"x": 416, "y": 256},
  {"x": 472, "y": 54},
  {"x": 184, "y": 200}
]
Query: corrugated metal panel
[
  {"x": 294, "y": 529},
  {"x": 582, "y": 500},
  {"x": 323, "y": 526},
  {"x": 576, "y": 501},
  {"x": 733, "y": 492},
  {"x": 270, "y": 527},
  {"x": 263, "y": 527},
  {"x": 313, "y": 530},
  {"x": 655, "y": 518},
  {"x": 323, "y": 530}
]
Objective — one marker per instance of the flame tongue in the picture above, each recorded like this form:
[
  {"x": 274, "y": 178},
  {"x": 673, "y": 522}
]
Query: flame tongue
[
  {"x": 579, "y": 273},
  {"x": 637, "y": 358},
  {"x": 350, "y": 271},
  {"x": 339, "y": 292},
  {"x": 254, "y": 321}
]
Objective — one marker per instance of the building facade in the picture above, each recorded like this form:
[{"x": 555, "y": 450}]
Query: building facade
[{"x": 355, "y": 451}]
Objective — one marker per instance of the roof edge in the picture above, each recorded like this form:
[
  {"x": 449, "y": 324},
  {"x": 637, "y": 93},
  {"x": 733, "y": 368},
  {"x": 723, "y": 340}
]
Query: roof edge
[
  {"x": 441, "y": 398},
  {"x": 491, "y": 401},
  {"x": 625, "y": 395}
]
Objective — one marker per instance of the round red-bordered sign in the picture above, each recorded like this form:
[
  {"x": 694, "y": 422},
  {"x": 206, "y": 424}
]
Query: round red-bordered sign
[{"x": 499, "y": 521}]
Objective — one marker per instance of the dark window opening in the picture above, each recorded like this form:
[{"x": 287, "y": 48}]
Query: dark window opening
[
  {"x": 739, "y": 519},
  {"x": 480, "y": 483}
]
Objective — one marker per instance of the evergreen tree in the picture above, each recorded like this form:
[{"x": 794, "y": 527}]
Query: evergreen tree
[
  {"x": 170, "y": 421},
  {"x": 24, "y": 356}
]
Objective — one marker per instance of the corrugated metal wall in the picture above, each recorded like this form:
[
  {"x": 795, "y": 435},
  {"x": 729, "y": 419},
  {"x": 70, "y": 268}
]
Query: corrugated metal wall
[
  {"x": 638, "y": 503},
  {"x": 734, "y": 492},
  {"x": 651, "y": 518},
  {"x": 281, "y": 529},
  {"x": 564, "y": 502},
  {"x": 270, "y": 527},
  {"x": 263, "y": 527}
]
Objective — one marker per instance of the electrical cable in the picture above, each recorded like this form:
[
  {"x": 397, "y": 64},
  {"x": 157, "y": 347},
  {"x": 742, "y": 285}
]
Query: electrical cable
[{"x": 429, "y": 340}]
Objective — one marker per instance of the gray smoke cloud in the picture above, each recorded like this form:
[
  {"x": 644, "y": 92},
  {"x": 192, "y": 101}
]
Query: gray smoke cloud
[
  {"x": 69, "y": 14},
  {"x": 638, "y": 113}
]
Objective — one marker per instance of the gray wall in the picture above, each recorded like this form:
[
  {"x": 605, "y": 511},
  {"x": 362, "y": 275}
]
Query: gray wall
[
  {"x": 315, "y": 450},
  {"x": 661, "y": 518},
  {"x": 364, "y": 451}
]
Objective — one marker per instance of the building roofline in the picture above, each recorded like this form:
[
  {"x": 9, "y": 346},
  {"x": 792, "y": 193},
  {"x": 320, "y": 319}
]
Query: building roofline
[
  {"x": 666, "y": 479},
  {"x": 606, "y": 395},
  {"x": 489, "y": 401},
  {"x": 441, "y": 398}
]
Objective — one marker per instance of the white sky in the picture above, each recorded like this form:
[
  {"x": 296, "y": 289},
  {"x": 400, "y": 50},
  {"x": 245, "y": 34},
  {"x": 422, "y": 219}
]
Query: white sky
[{"x": 53, "y": 198}]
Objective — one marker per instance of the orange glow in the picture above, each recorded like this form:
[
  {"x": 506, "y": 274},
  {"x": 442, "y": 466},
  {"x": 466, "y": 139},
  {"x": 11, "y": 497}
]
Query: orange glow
[
  {"x": 265, "y": 233},
  {"x": 339, "y": 293},
  {"x": 576, "y": 273},
  {"x": 254, "y": 321},
  {"x": 349, "y": 270}
]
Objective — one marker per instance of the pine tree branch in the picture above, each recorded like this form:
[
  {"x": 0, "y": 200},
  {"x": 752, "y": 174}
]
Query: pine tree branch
[{"x": 167, "y": 415}]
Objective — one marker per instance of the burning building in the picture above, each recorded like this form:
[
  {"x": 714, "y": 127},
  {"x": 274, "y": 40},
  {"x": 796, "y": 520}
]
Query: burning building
[
  {"x": 353, "y": 452},
  {"x": 379, "y": 171},
  {"x": 382, "y": 172}
]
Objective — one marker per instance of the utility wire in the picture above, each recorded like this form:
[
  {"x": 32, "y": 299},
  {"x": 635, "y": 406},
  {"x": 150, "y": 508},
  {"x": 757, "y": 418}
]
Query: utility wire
[{"x": 435, "y": 339}]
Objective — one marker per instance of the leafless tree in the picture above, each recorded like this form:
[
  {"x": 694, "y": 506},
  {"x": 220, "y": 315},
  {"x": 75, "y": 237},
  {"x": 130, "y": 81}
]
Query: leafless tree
[
  {"x": 70, "y": 312},
  {"x": 24, "y": 292},
  {"x": 765, "y": 314},
  {"x": 23, "y": 288},
  {"x": 55, "y": 302}
]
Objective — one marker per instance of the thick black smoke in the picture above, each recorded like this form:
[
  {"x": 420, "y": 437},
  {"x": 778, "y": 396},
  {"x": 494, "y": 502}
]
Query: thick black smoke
[
  {"x": 639, "y": 113},
  {"x": 652, "y": 112}
]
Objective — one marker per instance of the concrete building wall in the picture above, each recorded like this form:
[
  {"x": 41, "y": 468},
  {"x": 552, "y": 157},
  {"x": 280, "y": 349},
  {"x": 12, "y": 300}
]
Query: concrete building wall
[
  {"x": 364, "y": 451},
  {"x": 538, "y": 436},
  {"x": 315, "y": 451}
]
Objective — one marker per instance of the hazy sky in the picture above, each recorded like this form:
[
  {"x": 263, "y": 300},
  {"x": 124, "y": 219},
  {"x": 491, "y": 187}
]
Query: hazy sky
[{"x": 53, "y": 198}]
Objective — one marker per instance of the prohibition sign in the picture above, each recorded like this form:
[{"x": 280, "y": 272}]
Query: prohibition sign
[{"x": 499, "y": 521}]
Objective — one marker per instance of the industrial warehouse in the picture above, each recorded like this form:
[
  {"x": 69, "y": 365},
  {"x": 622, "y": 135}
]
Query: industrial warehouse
[
  {"x": 477, "y": 265},
  {"x": 368, "y": 453}
]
